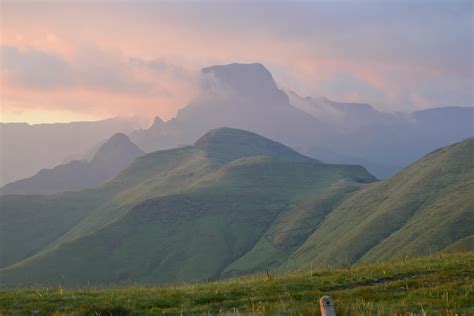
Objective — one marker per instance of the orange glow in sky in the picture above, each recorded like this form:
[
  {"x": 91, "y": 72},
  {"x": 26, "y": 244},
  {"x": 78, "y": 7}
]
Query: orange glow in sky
[{"x": 86, "y": 60}]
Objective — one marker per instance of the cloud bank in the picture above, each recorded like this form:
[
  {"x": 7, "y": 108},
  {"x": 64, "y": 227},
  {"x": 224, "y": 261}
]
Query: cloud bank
[{"x": 101, "y": 59}]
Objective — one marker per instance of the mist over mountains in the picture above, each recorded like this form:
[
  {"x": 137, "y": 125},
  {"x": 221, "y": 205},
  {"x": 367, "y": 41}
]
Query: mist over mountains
[
  {"x": 384, "y": 142},
  {"x": 246, "y": 96},
  {"x": 236, "y": 157},
  {"x": 26, "y": 149},
  {"x": 239, "y": 96},
  {"x": 113, "y": 156},
  {"x": 274, "y": 180}
]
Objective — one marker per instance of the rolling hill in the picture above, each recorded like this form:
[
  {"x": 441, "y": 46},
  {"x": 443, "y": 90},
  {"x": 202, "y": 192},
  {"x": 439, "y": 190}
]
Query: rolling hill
[
  {"x": 114, "y": 155},
  {"x": 236, "y": 203},
  {"x": 427, "y": 207},
  {"x": 190, "y": 213}
]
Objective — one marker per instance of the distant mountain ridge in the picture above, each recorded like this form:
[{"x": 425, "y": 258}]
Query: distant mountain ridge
[
  {"x": 26, "y": 149},
  {"x": 114, "y": 155},
  {"x": 245, "y": 96}
]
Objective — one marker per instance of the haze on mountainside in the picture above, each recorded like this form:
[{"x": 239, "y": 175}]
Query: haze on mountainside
[
  {"x": 250, "y": 204},
  {"x": 113, "y": 156},
  {"x": 246, "y": 96},
  {"x": 26, "y": 149}
]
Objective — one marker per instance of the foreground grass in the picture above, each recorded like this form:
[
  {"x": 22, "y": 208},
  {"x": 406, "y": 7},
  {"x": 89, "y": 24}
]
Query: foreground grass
[{"x": 441, "y": 284}]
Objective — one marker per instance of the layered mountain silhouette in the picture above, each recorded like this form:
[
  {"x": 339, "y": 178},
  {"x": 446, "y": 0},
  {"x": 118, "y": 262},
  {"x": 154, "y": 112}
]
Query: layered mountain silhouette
[
  {"x": 235, "y": 203},
  {"x": 246, "y": 96},
  {"x": 242, "y": 96},
  {"x": 174, "y": 215},
  {"x": 113, "y": 156},
  {"x": 26, "y": 149},
  {"x": 384, "y": 142}
]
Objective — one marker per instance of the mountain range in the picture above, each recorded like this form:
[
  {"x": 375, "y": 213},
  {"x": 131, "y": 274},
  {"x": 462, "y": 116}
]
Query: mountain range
[
  {"x": 26, "y": 149},
  {"x": 235, "y": 203},
  {"x": 245, "y": 96},
  {"x": 384, "y": 142},
  {"x": 113, "y": 156}
]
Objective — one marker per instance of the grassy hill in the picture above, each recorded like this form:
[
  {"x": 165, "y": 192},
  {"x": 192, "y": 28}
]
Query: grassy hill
[
  {"x": 193, "y": 213},
  {"x": 236, "y": 203},
  {"x": 437, "y": 285},
  {"x": 426, "y": 207}
]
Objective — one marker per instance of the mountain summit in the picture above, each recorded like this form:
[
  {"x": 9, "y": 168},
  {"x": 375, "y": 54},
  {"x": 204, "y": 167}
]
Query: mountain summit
[
  {"x": 243, "y": 96},
  {"x": 249, "y": 81},
  {"x": 230, "y": 144},
  {"x": 114, "y": 155},
  {"x": 52, "y": 144},
  {"x": 246, "y": 96}
]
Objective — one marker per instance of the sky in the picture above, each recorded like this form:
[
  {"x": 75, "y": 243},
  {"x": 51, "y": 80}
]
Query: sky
[{"x": 85, "y": 60}]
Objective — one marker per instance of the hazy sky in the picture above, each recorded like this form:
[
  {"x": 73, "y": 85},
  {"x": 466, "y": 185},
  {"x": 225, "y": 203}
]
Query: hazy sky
[{"x": 74, "y": 60}]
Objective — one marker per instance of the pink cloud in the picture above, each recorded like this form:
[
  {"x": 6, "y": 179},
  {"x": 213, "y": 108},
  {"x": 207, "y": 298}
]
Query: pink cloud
[{"x": 144, "y": 59}]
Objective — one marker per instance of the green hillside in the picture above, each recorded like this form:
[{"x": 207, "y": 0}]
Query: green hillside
[
  {"x": 426, "y": 207},
  {"x": 236, "y": 203},
  {"x": 436, "y": 285},
  {"x": 233, "y": 203}
]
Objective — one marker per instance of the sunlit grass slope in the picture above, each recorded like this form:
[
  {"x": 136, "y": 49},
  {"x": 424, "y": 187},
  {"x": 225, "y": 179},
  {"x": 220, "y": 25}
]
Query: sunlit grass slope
[{"x": 437, "y": 285}]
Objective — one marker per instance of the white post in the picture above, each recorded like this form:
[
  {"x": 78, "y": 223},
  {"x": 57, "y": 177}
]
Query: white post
[{"x": 327, "y": 306}]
